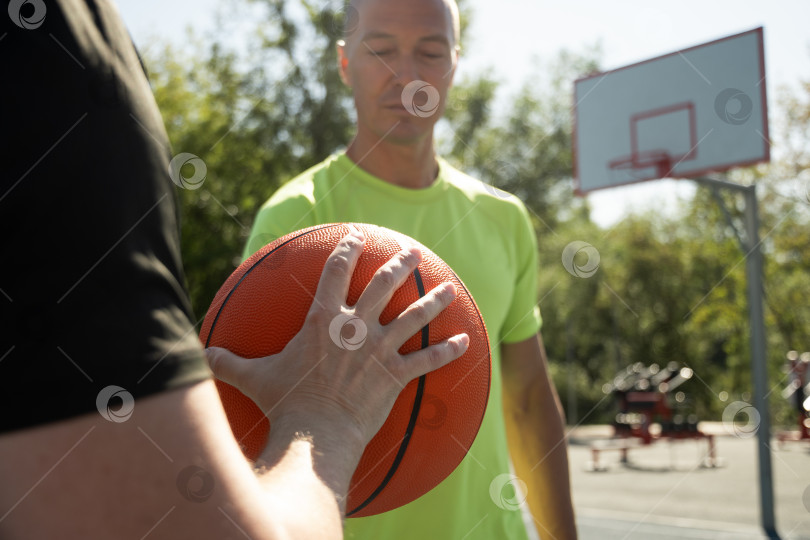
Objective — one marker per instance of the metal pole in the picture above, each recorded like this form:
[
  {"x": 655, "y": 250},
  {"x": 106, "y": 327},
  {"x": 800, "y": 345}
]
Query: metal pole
[
  {"x": 759, "y": 372},
  {"x": 753, "y": 270}
]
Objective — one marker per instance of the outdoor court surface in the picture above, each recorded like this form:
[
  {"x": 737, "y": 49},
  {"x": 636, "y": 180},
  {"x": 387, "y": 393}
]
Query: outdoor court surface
[{"x": 664, "y": 493}]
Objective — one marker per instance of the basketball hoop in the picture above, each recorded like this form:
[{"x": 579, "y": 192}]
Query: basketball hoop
[{"x": 640, "y": 166}]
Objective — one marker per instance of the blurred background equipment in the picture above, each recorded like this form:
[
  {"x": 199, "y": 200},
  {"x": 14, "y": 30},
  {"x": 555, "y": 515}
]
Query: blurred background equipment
[
  {"x": 651, "y": 406},
  {"x": 797, "y": 392}
]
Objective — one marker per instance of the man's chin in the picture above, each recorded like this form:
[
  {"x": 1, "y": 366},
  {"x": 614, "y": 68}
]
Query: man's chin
[{"x": 405, "y": 132}]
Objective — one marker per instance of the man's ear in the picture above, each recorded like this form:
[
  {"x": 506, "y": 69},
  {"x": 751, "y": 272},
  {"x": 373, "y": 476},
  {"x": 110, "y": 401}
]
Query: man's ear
[{"x": 343, "y": 63}]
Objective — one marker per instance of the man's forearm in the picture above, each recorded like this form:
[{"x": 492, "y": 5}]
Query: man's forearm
[
  {"x": 539, "y": 453},
  {"x": 307, "y": 474},
  {"x": 535, "y": 432}
]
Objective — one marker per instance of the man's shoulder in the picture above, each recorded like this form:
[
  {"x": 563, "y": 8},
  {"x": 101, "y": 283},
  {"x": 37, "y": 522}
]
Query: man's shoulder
[
  {"x": 290, "y": 208},
  {"x": 302, "y": 186},
  {"x": 487, "y": 197}
]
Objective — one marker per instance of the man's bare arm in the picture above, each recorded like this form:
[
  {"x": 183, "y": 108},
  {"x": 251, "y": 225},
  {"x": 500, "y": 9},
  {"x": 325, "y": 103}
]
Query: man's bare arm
[{"x": 535, "y": 431}]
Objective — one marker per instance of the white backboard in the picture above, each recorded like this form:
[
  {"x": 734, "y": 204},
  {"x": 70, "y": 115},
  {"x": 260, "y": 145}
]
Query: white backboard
[{"x": 680, "y": 115}]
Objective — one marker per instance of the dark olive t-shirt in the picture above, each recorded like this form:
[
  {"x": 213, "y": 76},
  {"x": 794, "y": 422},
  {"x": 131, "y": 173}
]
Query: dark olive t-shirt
[{"x": 92, "y": 291}]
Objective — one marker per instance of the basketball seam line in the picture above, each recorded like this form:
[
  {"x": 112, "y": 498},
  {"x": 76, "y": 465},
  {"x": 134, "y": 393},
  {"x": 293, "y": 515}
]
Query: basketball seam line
[{"x": 417, "y": 404}]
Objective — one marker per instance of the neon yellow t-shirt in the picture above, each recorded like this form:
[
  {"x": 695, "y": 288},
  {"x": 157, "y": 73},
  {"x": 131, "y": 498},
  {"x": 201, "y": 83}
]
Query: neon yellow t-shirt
[{"x": 486, "y": 237}]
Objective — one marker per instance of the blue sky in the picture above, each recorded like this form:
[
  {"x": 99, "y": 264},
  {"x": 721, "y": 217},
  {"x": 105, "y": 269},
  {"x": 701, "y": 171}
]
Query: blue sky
[{"x": 510, "y": 36}]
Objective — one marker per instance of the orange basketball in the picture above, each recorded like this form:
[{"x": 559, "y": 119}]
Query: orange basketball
[{"x": 436, "y": 417}]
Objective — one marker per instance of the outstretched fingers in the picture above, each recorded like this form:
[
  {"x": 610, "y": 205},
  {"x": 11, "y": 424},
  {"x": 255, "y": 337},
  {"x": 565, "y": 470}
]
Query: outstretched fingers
[
  {"x": 333, "y": 287},
  {"x": 420, "y": 313},
  {"x": 423, "y": 361},
  {"x": 386, "y": 280}
]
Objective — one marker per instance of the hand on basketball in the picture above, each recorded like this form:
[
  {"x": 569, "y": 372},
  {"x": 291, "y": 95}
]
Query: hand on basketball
[{"x": 323, "y": 378}]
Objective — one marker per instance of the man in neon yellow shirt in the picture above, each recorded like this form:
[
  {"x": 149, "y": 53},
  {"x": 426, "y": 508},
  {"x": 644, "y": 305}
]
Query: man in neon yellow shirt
[{"x": 399, "y": 61}]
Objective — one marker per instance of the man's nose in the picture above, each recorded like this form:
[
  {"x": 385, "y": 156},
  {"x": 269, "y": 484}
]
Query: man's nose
[{"x": 407, "y": 69}]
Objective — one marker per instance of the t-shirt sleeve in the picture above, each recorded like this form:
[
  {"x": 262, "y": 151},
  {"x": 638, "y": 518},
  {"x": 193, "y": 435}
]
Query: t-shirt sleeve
[
  {"x": 285, "y": 212},
  {"x": 92, "y": 291},
  {"x": 523, "y": 318}
]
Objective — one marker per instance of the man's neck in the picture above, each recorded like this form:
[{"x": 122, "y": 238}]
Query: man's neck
[{"x": 412, "y": 166}]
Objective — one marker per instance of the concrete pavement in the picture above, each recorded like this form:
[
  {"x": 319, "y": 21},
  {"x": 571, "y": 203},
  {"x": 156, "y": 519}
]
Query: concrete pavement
[{"x": 664, "y": 491}]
